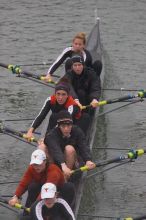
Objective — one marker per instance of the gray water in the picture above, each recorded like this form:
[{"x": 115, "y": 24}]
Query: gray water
[{"x": 35, "y": 32}]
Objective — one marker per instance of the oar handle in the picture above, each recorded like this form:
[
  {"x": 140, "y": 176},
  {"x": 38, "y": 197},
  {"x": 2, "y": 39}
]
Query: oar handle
[
  {"x": 17, "y": 133},
  {"x": 132, "y": 154},
  {"x": 85, "y": 106},
  {"x": 32, "y": 139},
  {"x": 20, "y": 206},
  {"x": 17, "y": 205},
  {"x": 110, "y": 101},
  {"x": 48, "y": 81},
  {"x": 141, "y": 94}
]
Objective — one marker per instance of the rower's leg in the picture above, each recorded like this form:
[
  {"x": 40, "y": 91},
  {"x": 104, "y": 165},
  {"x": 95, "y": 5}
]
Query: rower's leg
[
  {"x": 33, "y": 192},
  {"x": 83, "y": 122},
  {"x": 67, "y": 192},
  {"x": 70, "y": 156}
]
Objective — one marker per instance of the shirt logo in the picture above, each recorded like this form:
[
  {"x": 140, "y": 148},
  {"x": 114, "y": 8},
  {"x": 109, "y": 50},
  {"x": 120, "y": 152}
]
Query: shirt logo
[{"x": 70, "y": 109}]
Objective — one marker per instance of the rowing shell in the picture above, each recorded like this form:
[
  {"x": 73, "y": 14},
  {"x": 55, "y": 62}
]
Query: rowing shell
[{"x": 95, "y": 48}]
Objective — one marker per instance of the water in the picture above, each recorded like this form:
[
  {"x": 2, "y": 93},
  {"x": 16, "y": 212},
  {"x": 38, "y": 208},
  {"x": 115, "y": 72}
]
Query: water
[{"x": 35, "y": 32}]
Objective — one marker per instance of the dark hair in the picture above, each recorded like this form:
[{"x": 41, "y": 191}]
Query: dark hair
[
  {"x": 64, "y": 117},
  {"x": 62, "y": 86},
  {"x": 77, "y": 59}
]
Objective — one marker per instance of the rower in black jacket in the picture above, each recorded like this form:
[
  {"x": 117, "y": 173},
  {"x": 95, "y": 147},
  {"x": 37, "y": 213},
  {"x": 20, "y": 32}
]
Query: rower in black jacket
[
  {"x": 66, "y": 142},
  {"x": 60, "y": 100},
  {"x": 85, "y": 85},
  {"x": 78, "y": 47}
]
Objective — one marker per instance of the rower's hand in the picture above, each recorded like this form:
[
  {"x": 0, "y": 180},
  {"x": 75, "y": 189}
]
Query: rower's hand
[
  {"x": 13, "y": 201},
  {"x": 90, "y": 165},
  {"x": 94, "y": 103},
  {"x": 79, "y": 104},
  {"x": 29, "y": 135},
  {"x": 48, "y": 78},
  {"x": 67, "y": 172}
]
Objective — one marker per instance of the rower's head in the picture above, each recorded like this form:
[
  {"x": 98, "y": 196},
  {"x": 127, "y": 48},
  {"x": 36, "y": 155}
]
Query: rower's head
[
  {"x": 79, "y": 42},
  {"x": 77, "y": 64},
  {"x": 38, "y": 160},
  {"x": 62, "y": 90},
  {"x": 49, "y": 194},
  {"x": 65, "y": 122}
]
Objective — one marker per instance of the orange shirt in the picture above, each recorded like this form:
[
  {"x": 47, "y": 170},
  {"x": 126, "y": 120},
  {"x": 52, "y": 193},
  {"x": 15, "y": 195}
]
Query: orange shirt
[{"x": 52, "y": 174}]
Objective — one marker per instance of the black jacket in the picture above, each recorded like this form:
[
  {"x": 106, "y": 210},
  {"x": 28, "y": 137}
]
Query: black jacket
[
  {"x": 68, "y": 53},
  {"x": 55, "y": 108},
  {"x": 56, "y": 143},
  {"x": 84, "y": 87}
]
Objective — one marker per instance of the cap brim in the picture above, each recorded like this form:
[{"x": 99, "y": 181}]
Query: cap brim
[
  {"x": 39, "y": 162},
  {"x": 48, "y": 195},
  {"x": 65, "y": 121}
]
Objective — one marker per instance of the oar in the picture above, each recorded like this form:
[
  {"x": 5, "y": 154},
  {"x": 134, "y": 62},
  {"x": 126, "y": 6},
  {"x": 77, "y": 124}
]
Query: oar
[
  {"x": 35, "y": 64},
  {"x": 122, "y": 106},
  {"x": 136, "y": 218},
  {"x": 132, "y": 154},
  {"x": 9, "y": 208},
  {"x": 96, "y": 216},
  {"x": 140, "y": 94},
  {"x": 8, "y": 130},
  {"x": 21, "y": 139},
  {"x": 17, "y": 70},
  {"x": 6, "y": 196},
  {"x": 109, "y": 217},
  {"x": 121, "y": 89},
  {"x": 10, "y": 182},
  {"x": 17, "y": 205},
  {"x": 19, "y": 119}
]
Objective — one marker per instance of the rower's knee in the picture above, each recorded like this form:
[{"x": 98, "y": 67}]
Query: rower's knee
[{"x": 69, "y": 150}]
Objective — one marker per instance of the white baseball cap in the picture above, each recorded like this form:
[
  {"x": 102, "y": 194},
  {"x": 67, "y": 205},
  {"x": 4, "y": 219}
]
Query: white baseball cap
[
  {"x": 48, "y": 191},
  {"x": 37, "y": 157}
]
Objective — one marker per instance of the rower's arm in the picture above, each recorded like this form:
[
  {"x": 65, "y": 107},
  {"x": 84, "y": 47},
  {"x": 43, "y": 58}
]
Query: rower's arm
[
  {"x": 60, "y": 59},
  {"x": 95, "y": 87},
  {"x": 42, "y": 114}
]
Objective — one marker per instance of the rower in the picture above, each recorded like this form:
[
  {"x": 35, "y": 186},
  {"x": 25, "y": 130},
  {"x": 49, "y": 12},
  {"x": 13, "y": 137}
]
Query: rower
[
  {"x": 60, "y": 100},
  {"x": 66, "y": 143},
  {"x": 78, "y": 47},
  {"x": 86, "y": 87},
  {"x": 39, "y": 172},
  {"x": 51, "y": 206}
]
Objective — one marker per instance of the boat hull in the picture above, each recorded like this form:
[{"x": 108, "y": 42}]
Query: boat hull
[{"x": 95, "y": 48}]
